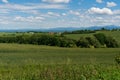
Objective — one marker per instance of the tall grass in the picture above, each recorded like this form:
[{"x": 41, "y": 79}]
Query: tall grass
[
  {"x": 60, "y": 72},
  {"x": 33, "y": 62},
  {"x": 18, "y": 54}
]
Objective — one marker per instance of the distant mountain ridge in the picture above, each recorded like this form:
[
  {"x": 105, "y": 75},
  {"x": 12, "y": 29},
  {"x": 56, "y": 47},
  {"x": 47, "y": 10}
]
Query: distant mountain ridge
[
  {"x": 109, "y": 27},
  {"x": 62, "y": 29}
]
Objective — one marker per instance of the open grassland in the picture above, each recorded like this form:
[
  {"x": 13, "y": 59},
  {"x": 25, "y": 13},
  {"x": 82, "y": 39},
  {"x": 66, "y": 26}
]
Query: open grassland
[
  {"x": 19, "y": 54},
  {"x": 77, "y": 36},
  {"x": 11, "y": 34},
  {"x": 33, "y": 62}
]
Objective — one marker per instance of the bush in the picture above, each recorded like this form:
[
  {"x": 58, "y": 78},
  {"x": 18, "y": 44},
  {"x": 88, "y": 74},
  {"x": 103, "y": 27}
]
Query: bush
[
  {"x": 83, "y": 42},
  {"x": 109, "y": 41},
  {"x": 117, "y": 59},
  {"x": 100, "y": 37},
  {"x": 64, "y": 42},
  {"x": 52, "y": 40},
  {"x": 93, "y": 42}
]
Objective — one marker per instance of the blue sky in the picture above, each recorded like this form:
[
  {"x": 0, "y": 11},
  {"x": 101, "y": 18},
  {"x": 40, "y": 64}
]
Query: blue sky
[{"x": 44, "y": 14}]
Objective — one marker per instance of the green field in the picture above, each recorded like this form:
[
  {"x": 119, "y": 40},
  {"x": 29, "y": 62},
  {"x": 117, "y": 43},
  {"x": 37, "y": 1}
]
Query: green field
[
  {"x": 19, "y": 54},
  {"x": 33, "y": 62},
  {"x": 38, "y": 62}
]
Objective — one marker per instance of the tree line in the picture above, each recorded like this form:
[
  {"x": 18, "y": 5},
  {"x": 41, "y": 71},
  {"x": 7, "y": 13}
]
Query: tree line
[
  {"x": 89, "y": 31},
  {"x": 97, "y": 41},
  {"x": 80, "y": 32}
]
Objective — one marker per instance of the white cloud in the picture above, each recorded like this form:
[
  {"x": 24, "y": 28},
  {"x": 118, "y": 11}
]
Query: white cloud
[
  {"x": 116, "y": 12},
  {"x": 53, "y": 14},
  {"x": 30, "y": 15},
  {"x": 64, "y": 14},
  {"x": 99, "y": 1},
  {"x": 4, "y": 11},
  {"x": 74, "y": 12},
  {"x": 103, "y": 11},
  {"x": 35, "y": 12},
  {"x": 111, "y": 4},
  {"x": 57, "y": 1},
  {"x": 32, "y": 6},
  {"x": 5, "y": 1},
  {"x": 29, "y": 19},
  {"x": 39, "y": 21}
]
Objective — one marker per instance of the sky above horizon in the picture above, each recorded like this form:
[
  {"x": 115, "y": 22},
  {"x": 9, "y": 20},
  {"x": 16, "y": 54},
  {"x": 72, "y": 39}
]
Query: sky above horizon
[{"x": 44, "y": 14}]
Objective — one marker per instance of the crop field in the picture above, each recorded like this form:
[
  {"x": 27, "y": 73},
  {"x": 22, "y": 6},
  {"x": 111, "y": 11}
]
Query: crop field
[{"x": 33, "y": 62}]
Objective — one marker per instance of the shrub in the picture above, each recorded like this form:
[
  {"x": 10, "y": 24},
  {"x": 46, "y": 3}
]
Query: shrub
[
  {"x": 64, "y": 42},
  {"x": 100, "y": 37},
  {"x": 117, "y": 59},
  {"x": 109, "y": 41},
  {"x": 93, "y": 42},
  {"x": 83, "y": 42}
]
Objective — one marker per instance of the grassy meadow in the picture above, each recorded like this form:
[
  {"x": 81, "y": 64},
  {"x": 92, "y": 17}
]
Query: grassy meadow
[
  {"x": 38, "y": 62},
  {"x": 18, "y": 54},
  {"x": 33, "y": 62}
]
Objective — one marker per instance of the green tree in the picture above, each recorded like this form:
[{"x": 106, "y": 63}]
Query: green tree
[
  {"x": 106, "y": 40},
  {"x": 93, "y": 42},
  {"x": 64, "y": 42},
  {"x": 101, "y": 38},
  {"x": 83, "y": 42},
  {"x": 111, "y": 42}
]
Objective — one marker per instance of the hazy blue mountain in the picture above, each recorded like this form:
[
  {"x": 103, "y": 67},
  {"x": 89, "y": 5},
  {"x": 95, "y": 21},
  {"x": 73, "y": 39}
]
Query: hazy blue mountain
[{"x": 62, "y": 29}]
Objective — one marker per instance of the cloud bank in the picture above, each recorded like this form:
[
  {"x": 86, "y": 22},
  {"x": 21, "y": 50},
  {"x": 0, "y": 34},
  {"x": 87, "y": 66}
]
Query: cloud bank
[
  {"x": 5, "y": 1},
  {"x": 111, "y": 4},
  {"x": 56, "y": 1}
]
